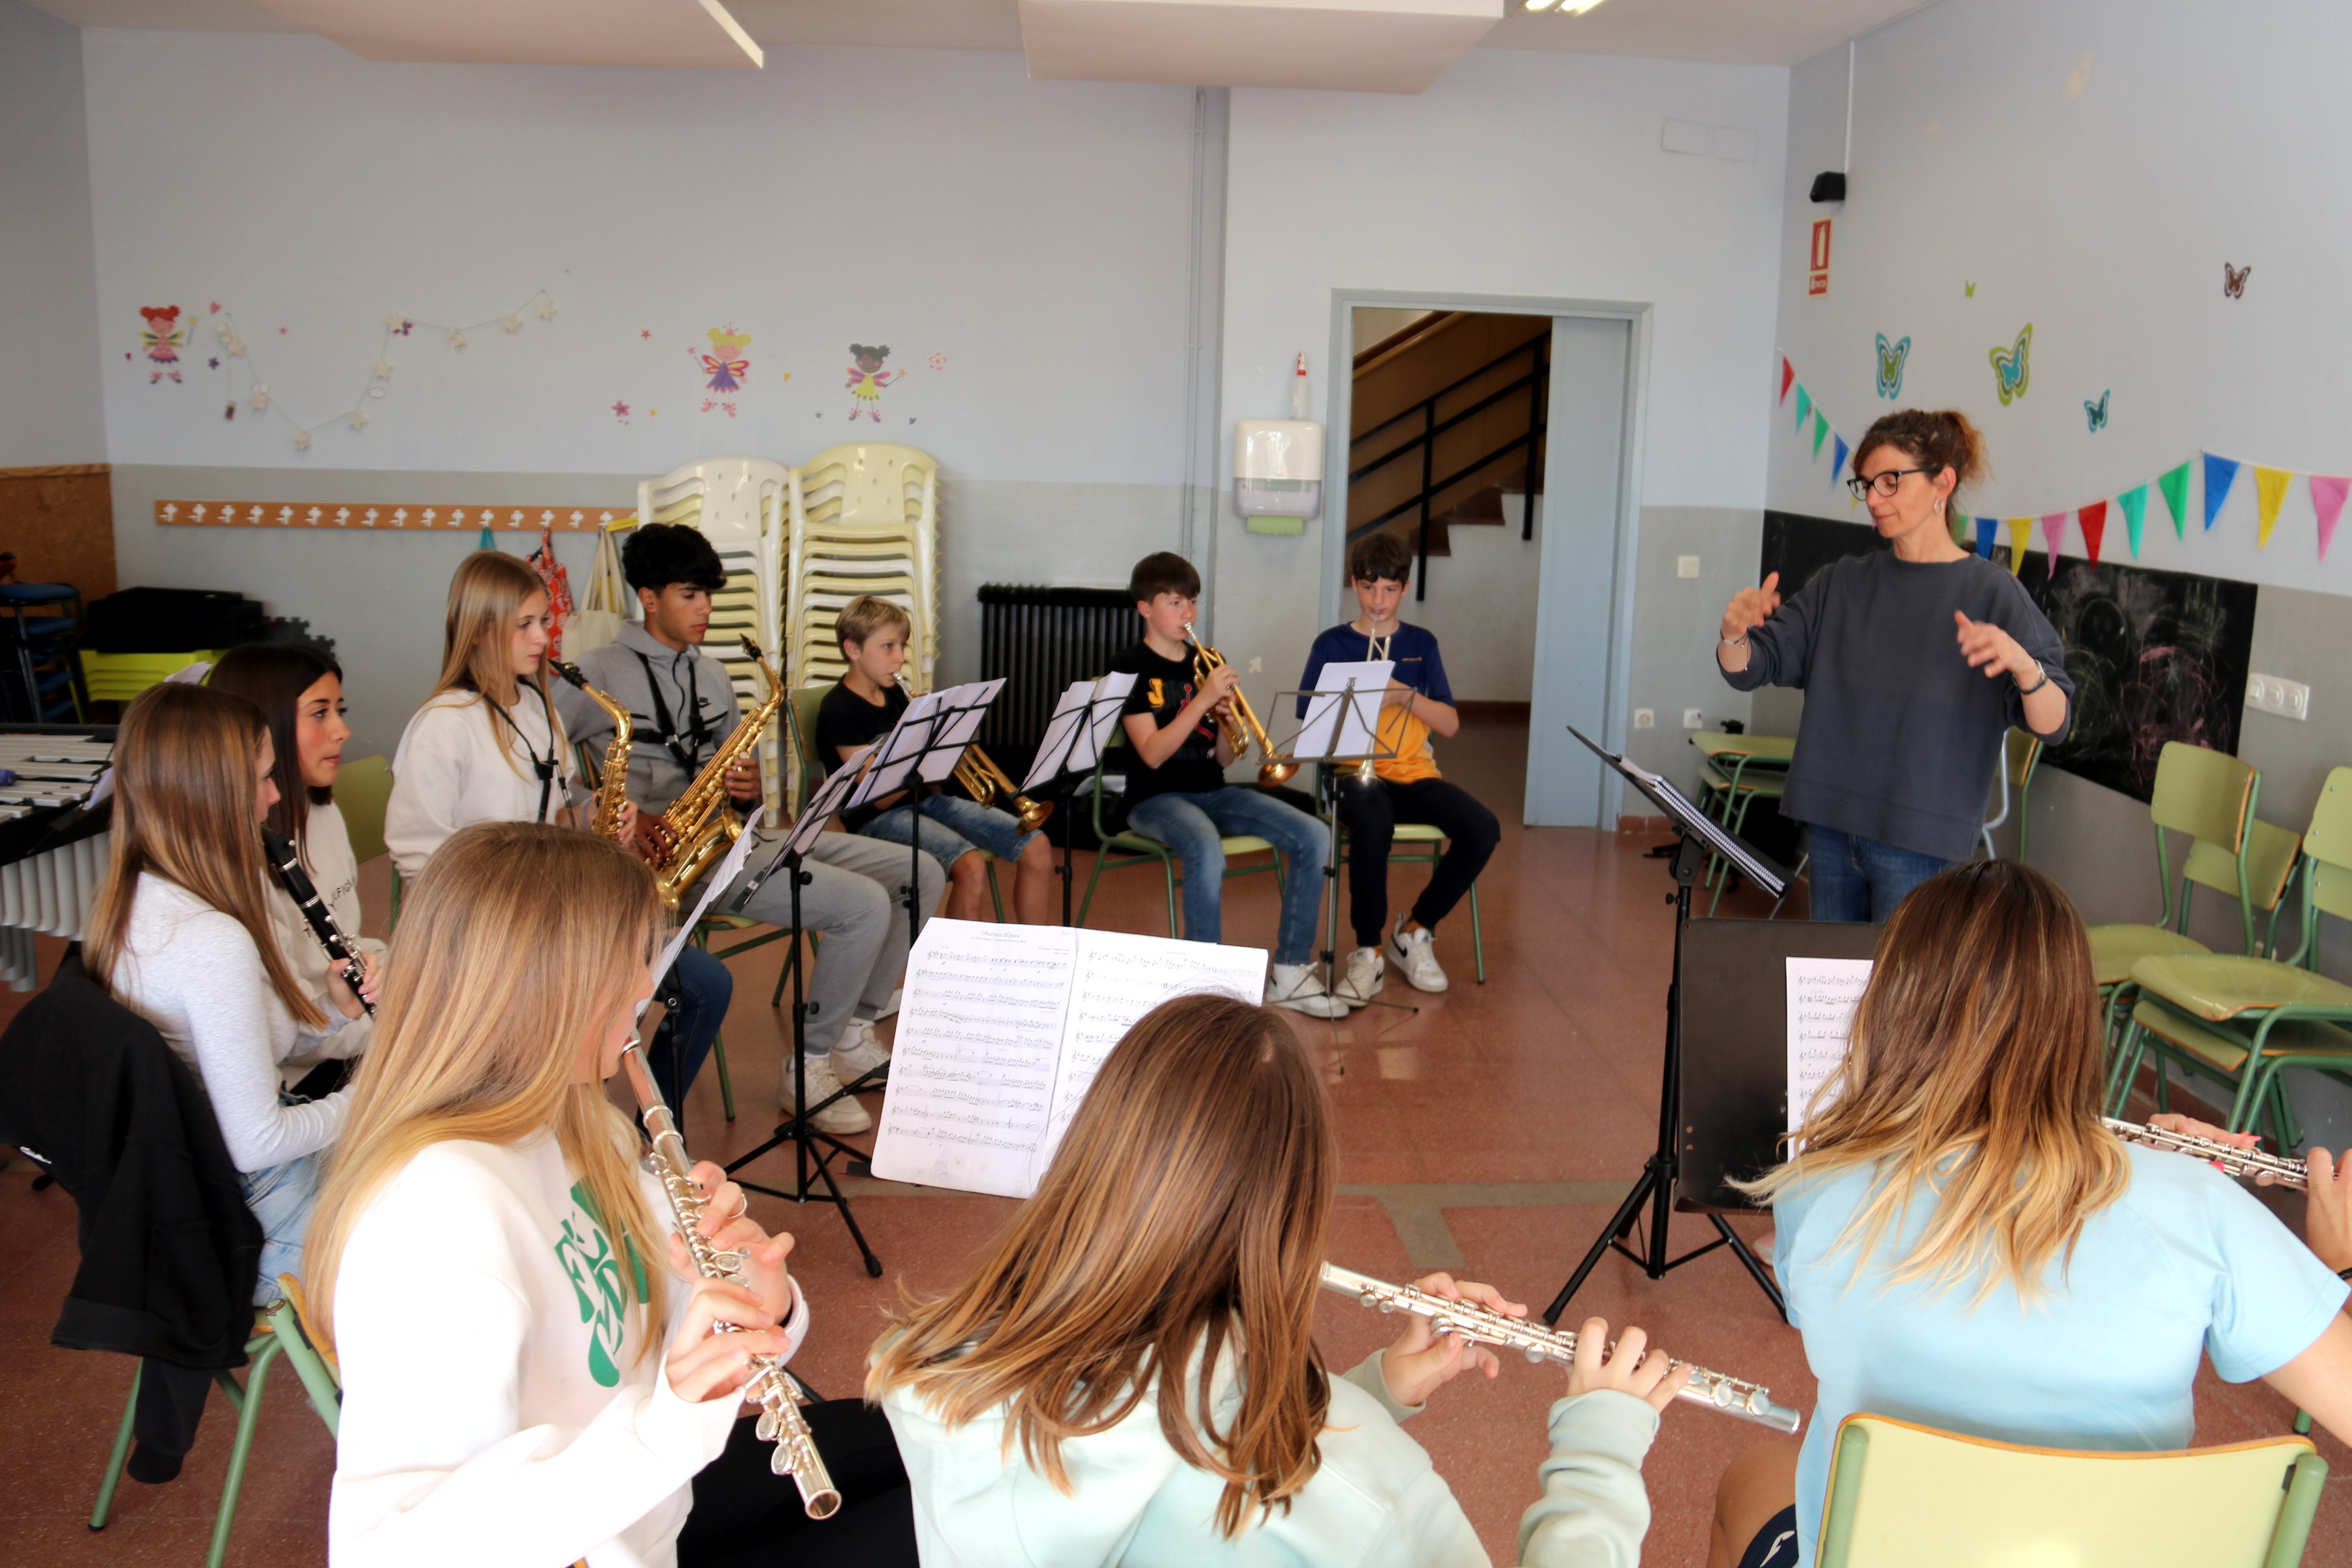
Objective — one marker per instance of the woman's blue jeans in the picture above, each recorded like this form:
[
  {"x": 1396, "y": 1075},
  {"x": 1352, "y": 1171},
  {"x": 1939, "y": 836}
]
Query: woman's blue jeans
[
  {"x": 1858, "y": 878},
  {"x": 1192, "y": 824}
]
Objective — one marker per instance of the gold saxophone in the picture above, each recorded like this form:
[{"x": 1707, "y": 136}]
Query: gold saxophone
[
  {"x": 698, "y": 829},
  {"x": 612, "y": 782}
]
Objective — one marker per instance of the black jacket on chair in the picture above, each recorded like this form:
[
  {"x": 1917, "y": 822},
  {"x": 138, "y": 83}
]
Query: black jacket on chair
[{"x": 169, "y": 1249}]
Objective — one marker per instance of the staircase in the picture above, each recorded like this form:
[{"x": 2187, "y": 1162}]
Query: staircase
[{"x": 1448, "y": 419}]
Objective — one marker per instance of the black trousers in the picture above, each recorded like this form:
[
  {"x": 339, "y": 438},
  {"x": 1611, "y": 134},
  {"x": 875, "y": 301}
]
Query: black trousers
[
  {"x": 747, "y": 1515},
  {"x": 1370, "y": 812}
]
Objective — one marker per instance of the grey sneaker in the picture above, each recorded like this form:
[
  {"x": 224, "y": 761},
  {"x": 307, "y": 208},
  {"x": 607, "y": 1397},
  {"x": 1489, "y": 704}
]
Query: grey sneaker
[
  {"x": 1414, "y": 954},
  {"x": 843, "y": 1116},
  {"x": 1298, "y": 987},
  {"x": 1366, "y": 970}
]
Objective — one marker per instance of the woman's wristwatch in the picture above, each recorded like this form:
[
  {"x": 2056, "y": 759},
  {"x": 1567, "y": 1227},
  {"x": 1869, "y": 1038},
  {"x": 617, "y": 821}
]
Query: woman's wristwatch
[{"x": 2025, "y": 690}]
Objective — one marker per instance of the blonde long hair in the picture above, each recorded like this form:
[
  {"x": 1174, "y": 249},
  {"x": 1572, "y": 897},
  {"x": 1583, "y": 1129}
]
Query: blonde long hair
[
  {"x": 187, "y": 807},
  {"x": 1184, "y": 1214},
  {"x": 477, "y": 632},
  {"x": 516, "y": 947},
  {"x": 1976, "y": 1073}
]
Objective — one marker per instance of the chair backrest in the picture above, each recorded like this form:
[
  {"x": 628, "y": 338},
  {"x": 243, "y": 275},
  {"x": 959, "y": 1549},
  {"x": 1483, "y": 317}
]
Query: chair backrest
[
  {"x": 2021, "y": 754},
  {"x": 804, "y": 703},
  {"x": 864, "y": 519},
  {"x": 1905, "y": 1495},
  {"x": 2205, "y": 793},
  {"x": 2327, "y": 849},
  {"x": 362, "y": 794}
]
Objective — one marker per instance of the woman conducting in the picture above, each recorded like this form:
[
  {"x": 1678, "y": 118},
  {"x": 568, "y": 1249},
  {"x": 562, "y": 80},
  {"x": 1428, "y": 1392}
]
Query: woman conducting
[
  {"x": 1964, "y": 1246},
  {"x": 1915, "y": 660},
  {"x": 1129, "y": 1375}
]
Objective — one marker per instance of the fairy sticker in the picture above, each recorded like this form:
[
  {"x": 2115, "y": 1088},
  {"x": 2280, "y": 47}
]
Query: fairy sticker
[
  {"x": 728, "y": 371},
  {"x": 163, "y": 340},
  {"x": 866, "y": 380}
]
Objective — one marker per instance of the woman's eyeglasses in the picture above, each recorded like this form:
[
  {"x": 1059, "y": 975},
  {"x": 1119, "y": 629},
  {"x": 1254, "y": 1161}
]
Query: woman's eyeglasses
[{"x": 1885, "y": 484}]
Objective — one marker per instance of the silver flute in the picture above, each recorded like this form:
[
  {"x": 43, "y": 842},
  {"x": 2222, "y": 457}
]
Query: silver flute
[
  {"x": 771, "y": 1387},
  {"x": 2236, "y": 1162},
  {"x": 1748, "y": 1401}
]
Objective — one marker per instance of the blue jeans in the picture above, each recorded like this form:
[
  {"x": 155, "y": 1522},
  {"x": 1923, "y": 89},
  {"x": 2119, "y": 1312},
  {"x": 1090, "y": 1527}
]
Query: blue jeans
[
  {"x": 697, "y": 991},
  {"x": 1191, "y": 824},
  {"x": 280, "y": 1197},
  {"x": 951, "y": 827},
  {"x": 1858, "y": 878}
]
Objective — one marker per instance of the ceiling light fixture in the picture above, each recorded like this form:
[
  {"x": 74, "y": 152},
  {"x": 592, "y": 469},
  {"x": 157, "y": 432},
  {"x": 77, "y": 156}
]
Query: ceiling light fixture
[
  {"x": 1578, "y": 7},
  {"x": 1537, "y": 4}
]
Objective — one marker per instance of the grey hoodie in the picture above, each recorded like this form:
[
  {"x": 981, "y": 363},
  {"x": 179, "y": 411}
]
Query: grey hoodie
[{"x": 634, "y": 669}]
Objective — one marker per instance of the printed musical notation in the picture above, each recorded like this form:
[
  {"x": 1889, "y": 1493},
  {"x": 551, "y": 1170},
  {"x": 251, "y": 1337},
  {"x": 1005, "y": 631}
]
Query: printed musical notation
[
  {"x": 1002, "y": 1030},
  {"x": 1823, "y": 995}
]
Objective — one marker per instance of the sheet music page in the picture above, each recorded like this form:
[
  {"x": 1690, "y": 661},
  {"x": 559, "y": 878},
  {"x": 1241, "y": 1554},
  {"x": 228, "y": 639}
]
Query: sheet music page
[
  {"x": 973, "y": 1068},
  {"x": 1119, "y": 979},
  {"x": 714, "y": 884},
  {"x": 1823, "y": 995},
  {"x": 1110, "y": 696},
  {"x": 1352, "y": 721},
  {"x": 895, "y": 754},
  {"x": 1069, "y": 712},
  {"x": 962, "y": 709}
]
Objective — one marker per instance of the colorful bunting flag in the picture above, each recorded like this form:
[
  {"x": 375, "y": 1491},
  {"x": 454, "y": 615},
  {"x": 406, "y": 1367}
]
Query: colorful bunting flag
[
  {"x": 1986, "y": 528},
  {"x": 2174, "y": 483},
  {"x": 2021, "y": 528},
  {"x": 1821, "y": 430},
  {"x": 2054, "y": 531},
  {"x": 2134, "y": 504},
  {"x": 2221, "y": 473},
  {"x": 2327, "y": 494},
  {"x": 2095, "y": 526},
  {"x": 1788, "y": 375},
  {"x": 1838, "y": 449},
  {"x": 1804, "y": 408},
  {"x": 2270, "y": 489}
]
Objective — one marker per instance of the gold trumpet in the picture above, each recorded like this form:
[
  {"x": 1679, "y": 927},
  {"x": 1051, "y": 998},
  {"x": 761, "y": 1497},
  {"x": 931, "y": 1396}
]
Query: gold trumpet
[
  {"x": 1240, "y": 724},
  {"x": 983, "y": 780}
]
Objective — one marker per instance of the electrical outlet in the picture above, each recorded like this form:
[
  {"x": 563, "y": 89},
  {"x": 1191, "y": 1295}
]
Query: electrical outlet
[
  {"x": 1691, "y": 719},
  {"x": 2275, "y": 694},
  {"x": 1685, "y": 565},
  {"x": 1646, "y": 718}
]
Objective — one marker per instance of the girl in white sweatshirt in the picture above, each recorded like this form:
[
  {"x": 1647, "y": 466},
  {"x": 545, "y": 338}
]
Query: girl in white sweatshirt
[
  {"x": 180, "y": 934},
  {"x": 1130, "y": 1375},
  {"x": 299, "y": 691},
  {"x": 529, "y": 1377}
]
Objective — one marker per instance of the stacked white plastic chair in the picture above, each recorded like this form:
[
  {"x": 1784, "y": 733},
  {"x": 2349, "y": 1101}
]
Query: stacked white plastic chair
[
  {"x": 739, "y": 505},
  {"x": 864, "y": 519}
]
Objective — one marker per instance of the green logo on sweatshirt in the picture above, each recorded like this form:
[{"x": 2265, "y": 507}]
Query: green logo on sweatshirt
[{"x": 590, "y": 1263}]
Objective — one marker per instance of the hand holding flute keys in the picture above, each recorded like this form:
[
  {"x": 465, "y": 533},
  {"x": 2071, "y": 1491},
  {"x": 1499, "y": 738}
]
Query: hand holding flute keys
[
  {"x": 1422, "y": 1360},
  {"x": 725, "y": 1324},
  {"x": 2328, "y": 1222}
]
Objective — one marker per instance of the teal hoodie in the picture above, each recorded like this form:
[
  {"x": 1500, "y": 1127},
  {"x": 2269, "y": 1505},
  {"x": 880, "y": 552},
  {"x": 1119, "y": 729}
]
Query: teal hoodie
[{"x": 1375, "y": 1502}]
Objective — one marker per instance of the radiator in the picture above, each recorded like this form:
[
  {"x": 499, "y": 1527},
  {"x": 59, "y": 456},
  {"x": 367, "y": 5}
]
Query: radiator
[{"x": 1040, "y": 640}]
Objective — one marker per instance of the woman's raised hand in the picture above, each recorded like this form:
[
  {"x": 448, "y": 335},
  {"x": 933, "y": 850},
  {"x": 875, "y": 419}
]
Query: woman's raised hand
[
  {"x": 1654, "y": 1378},
  {"x": 1420, "y": 1361},
  {"x": 1987, "y": 648},
  {"x": 1751, "y": 607}
]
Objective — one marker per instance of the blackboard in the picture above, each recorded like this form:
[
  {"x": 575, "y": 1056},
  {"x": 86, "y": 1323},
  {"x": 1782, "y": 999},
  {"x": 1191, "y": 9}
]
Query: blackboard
[
  {"x": 1734, "y": 985},
  {"x": 2155, "y": 656}
]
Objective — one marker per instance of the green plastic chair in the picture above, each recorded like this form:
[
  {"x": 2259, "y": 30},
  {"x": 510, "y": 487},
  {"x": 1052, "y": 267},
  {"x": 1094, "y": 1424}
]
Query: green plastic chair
[
  {"x": 2246, "y": 1020},
  {"x": 362, "y": 794},
  {"x": 1730, "y": 784},
  {"x": 1904, "y": 1496},
  {"x": 1431, "y": 849},
  {"x": 1117, "y": 851},
  {"x": 2021, "y": 754},
  {"x": 277, "y": 1331},
  {"x": 2210, "y": 795}
]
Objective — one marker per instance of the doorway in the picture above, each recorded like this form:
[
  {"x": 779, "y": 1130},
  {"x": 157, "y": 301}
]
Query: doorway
[{"x": 1508, "y": 466}]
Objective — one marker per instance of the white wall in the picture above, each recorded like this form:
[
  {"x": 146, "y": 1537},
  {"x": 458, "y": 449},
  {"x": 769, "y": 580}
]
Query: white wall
[
  {"x": 1482, "y": 606},
  {"x": 48, "y": 360},
  {"x": 1524, "y": 174}
]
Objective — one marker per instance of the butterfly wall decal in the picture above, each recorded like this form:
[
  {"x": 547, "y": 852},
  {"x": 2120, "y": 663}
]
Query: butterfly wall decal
[
  {"x": 2096, "y": 413},
  {"x": 2011, "y": 372},
  {"x": 1890, "y": 365},
  {"x": 2234, "y": 279}
]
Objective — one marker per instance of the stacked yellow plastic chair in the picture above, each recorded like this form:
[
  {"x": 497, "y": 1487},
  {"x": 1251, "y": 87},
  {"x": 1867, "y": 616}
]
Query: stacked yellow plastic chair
[
  {"x": 864, "y": 519},
  {"x": 1902, "y": 1496},
  {"x": 2246, "y": 1020}
]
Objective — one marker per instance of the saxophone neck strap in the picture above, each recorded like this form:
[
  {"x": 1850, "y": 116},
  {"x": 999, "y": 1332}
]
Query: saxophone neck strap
[
  {"x": 543, "y": 766},
  {"x": 686, "y": 751}
]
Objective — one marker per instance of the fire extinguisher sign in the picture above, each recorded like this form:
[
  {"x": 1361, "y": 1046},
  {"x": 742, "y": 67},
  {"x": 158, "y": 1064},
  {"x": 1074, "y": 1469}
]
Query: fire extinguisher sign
[{"x": 1817, "y": 279}]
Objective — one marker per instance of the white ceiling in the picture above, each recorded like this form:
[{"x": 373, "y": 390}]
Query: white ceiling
[{"x": 1736, "y": 32}]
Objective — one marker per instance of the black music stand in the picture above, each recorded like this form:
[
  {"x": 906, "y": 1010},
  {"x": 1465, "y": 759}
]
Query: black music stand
[
  {"x": 1699, "y": 836},
  {"x": 1073, "y": 741},
  {"x": 1352, "y": 728},
  {"x": 812, "y": 1149},
  {"x": 923, "y": 748}
]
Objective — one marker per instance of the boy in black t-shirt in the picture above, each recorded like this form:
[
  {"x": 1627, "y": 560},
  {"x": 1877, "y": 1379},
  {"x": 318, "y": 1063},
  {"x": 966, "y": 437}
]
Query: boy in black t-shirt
[
  {"x": 1177, "y": 793},
  {"x": 862, "y": 708}
]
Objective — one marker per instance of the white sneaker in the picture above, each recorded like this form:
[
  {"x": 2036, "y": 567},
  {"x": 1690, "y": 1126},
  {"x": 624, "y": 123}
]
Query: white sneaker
[
  {"x": 1300, "y": 988},
  {"x": 859, "y": 1051},
  {"x": 1366, "y": 970},
  {"x": 1414, "y": 954},
  {"x": 843, "y": 1116}
]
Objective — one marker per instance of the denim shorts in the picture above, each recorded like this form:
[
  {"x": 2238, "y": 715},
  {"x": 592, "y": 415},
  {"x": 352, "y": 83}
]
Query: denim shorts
[
  {"x": 281, "y": 1197},
  {"x": 951, "y": 827}
]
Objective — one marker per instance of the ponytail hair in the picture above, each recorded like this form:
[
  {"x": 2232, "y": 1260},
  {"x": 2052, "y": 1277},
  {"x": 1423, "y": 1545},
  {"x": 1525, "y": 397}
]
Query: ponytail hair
[{"x": 1936, "y": 439}]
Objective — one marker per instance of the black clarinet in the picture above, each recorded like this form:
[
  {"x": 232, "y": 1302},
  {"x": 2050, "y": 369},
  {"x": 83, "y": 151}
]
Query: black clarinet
[{"x": 286, "y": 861}]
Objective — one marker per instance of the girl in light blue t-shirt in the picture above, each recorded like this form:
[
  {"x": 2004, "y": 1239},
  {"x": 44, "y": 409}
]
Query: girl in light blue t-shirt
[{"x": 1964, "y": 1245}]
